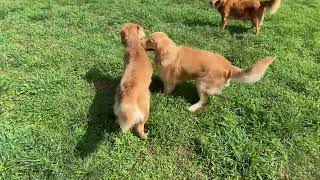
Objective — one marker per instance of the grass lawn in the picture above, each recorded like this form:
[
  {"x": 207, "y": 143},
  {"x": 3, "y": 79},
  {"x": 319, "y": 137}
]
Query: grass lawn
[{"x": 60, "y": 62}]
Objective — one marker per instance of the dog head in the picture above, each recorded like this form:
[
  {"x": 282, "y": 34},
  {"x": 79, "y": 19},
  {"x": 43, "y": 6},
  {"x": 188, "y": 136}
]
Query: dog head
[
  {"x": 157, "y": 41},
  {"x": 132, "y": 33},
  {"x": 216, "y": 3},
  {"x": 165, "y": 49}
]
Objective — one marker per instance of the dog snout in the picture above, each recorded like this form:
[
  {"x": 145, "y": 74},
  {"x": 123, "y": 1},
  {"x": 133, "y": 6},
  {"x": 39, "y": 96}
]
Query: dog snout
[{"x": 149, "y": 45}]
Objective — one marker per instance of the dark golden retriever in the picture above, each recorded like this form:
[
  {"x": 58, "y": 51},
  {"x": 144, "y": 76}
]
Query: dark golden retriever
[{"x": 252, "y": 10}]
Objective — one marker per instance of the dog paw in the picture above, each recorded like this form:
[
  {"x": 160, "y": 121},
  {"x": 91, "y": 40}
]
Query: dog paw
[
  {"x": 144, "y": 136},
  {"x": 193, "y": 108}
]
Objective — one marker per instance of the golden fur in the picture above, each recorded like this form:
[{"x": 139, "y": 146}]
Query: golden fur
[
  {"x": 132, "y": 99},
  {"x": 211, "y": 71},
  {"x": 252, "y": 10}
]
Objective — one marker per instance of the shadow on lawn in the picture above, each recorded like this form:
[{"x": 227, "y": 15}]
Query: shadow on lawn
[
  {"x": 186, "y": 90},
  {"x": 196, "y": 22},
  {"x": 233, "y": 29},
  {"x": 100, "y": 117},
  {"x": 237, "y": 29}
]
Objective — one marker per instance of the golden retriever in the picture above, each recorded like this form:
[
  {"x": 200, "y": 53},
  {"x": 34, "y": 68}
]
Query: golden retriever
[
  {"x": 132, "y": 99},
  {"x": 211, "y": 71},
  {"x": 252, "y": 10}
]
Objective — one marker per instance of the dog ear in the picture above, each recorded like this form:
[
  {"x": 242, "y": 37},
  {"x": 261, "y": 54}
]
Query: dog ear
[
  {"x": 164, "y": 52},
  {"x": 140, "y": 31},
  {"x": 124, "y": 36},
  {"x": 165, "y": 61},
  {"x": 163, "y": 45}
]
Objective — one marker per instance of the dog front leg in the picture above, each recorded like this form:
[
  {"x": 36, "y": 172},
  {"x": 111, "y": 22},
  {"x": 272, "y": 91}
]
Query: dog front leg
[
  {"x": 168, "y": 88},
  {"x": 169, "y": 84}
]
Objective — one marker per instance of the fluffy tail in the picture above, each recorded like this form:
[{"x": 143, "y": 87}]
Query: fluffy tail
[
  {"x": 271, "y": 5},
  {"x": 253, "y": 74},
  {"x": 129, "y": 115}
]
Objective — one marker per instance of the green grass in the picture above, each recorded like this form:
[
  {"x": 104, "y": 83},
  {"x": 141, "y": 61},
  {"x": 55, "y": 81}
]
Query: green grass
[{"x": 61, "y": 60}]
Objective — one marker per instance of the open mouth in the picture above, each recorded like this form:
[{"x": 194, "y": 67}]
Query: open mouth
[{"x": 149, "y": 49}]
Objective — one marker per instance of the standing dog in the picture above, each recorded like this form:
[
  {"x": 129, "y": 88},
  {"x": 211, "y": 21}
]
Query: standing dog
[
  {"x": 252, "y": 10},
  {"x": 211, "y": 71},
  {"x": 132, "y": 100}
]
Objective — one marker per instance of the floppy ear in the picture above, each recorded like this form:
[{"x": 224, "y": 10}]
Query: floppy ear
[
  {"x": 124, "y": 36},
  {"x": 140, "y": 31},
  {"x": 139, "y": 27},
  {"x": 164, "y": 49}
]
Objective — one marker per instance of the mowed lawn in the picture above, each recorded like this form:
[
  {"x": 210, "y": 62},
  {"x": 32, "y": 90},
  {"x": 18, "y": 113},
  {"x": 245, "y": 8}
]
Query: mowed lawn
[{"x": 60, "y": 62}]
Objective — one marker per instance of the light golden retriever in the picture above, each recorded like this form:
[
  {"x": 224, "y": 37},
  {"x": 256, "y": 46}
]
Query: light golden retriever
[
  {"x": 132, "y": 99},
  {"x": 211, "y": 71}
]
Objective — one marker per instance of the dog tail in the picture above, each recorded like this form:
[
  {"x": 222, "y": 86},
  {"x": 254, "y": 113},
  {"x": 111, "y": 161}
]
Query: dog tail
[
  {"x": 130, "y": 115},
  {"x": 271, "y": 5},
  {"x": 253, "y": 74}
]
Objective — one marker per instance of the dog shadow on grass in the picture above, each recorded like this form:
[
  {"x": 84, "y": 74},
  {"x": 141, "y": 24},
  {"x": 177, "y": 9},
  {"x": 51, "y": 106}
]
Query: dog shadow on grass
[
  {"x": 233, "y": 29},
  {"x": 100, "y": 118},
  {"x": 196, "y": 22},
  {"x": 186, "y": 90},
  {"x": 237, "y": 29}
]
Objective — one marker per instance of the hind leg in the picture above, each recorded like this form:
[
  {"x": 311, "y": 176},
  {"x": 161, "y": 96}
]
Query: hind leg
[
  {"x": 217, "y": 85},
  {"x": 125, "y": 121},
  {"x": 215, "y": 91},
  {"x": 144, "y": 106},
  {"x": 140, "y": 130},
  {"x": 211, "y": 86},
  {"x": 202, "y": 101}
]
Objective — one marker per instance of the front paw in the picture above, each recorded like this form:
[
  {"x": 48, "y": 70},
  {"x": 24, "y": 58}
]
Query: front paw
[{"x": 168, "y": 90}]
